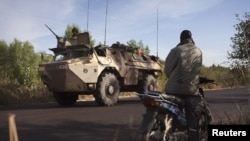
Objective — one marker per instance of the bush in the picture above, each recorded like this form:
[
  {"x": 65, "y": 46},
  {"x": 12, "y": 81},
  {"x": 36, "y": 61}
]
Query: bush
[{"x": 12, "y": 93}]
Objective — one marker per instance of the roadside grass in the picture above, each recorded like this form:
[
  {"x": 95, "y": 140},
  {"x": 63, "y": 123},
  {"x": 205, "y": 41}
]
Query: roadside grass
[{"x": 12, "y": 93}]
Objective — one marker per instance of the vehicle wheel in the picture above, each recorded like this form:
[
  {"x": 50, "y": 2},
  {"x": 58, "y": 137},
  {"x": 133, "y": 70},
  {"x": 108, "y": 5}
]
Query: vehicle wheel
[
  {"x": 65, "y": 99},
  {"x": 163, "y": 129},
  {"x": 147, "y": 83},
  {"x": 107, "y": 90},
  {"x": 150, "y": 128}
]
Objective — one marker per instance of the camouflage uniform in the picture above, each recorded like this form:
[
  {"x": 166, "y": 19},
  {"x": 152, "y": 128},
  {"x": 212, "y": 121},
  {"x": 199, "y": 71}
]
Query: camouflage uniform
[{"x": 182, "y": 67}]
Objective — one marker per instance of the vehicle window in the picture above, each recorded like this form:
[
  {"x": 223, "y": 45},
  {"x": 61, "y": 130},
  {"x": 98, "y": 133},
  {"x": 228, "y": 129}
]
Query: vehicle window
[
  {"x": 83, "y": 52},
  {"x": 72, "y": 53},
  {"x": 60, "y": 56}
]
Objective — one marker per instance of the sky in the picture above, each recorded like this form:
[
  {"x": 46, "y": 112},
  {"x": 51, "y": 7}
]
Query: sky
[{"x": 157, "y": 23}]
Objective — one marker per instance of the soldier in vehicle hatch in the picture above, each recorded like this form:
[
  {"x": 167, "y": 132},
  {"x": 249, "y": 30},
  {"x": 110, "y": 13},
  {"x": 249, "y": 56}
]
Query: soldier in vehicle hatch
[
  {"x": 74, "y": 33},
  {"x": 73, "y": 39}
]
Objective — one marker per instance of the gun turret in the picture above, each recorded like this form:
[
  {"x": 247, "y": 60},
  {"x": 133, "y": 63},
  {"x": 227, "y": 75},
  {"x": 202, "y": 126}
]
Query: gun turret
[{"x": 57, "y": 37}]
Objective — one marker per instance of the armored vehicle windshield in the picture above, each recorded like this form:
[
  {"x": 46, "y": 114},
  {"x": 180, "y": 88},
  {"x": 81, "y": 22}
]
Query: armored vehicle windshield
[{"x": 71, "y": 52}]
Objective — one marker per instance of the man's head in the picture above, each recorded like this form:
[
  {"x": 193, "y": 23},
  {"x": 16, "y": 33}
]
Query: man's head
[{"x": 185, "y": 34}]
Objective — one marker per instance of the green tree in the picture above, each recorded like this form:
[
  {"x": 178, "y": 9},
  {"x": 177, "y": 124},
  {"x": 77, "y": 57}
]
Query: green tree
[
  {"x": 3, "y": 59},
  {"x": 45, "y": 57},
  {"x": 22, "y": 62},
  {"x": 240, "y": 54},
  {"x": 139, "y": 45},
  {"x": 68, "y": 33}
]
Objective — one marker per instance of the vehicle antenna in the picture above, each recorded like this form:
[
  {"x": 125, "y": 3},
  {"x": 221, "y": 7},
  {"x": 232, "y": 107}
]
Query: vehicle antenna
[
  {"x": 88, "y": 17},
  {"x": 106, "y": 22},
  {"x": 157, "y": 31}
]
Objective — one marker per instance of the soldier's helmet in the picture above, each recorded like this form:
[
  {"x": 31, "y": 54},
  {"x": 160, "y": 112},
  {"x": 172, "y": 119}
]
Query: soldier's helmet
[{"x": 74, "y": 30}]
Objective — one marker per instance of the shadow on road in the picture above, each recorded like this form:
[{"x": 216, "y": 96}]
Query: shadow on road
[{"x": 80, "y": 104}]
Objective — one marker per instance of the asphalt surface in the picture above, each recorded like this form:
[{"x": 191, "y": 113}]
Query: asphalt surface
[
  {"x": 86, "y": 121},
  {"x": 226, "y": 105}
]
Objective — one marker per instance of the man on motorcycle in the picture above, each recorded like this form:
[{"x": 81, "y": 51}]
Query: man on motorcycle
[{"x": 182, "y": 67}]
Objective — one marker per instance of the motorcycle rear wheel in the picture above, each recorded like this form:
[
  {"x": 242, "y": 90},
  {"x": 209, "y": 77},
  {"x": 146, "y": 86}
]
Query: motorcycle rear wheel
[{"x": 164, "y": 129}]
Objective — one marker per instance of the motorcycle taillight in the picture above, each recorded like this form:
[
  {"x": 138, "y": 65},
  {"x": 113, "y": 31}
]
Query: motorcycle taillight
[{"x": 150, "y": 103}]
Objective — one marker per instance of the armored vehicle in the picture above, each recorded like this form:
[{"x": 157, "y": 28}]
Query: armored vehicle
[{"x": 102, "y": 71}]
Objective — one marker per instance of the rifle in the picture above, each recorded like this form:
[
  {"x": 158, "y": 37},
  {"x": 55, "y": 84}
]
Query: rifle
[{"x": 57, "y": 37}]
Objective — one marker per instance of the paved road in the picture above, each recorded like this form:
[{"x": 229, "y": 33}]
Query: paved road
[
  {"x": 226, "y": 104},
  {"x": 86, "y": 121}
]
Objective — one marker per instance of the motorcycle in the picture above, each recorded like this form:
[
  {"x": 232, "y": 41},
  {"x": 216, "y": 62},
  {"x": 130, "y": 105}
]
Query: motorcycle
[{"x": 165, "y": 117}]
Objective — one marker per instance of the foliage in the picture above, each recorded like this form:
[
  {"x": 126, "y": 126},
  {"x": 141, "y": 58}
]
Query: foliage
[
  {"x": 3, "y": 59},
  {"x": 240, "y": 55},
  {"x": 46, "y": 57},
  {"x": 20, "y": 83},
  {"x": 220, "y": 74},
  {"x": 12, "y": 93},
  {"x": 19, "y": 62},
  {"x": 139, "y": 45}
]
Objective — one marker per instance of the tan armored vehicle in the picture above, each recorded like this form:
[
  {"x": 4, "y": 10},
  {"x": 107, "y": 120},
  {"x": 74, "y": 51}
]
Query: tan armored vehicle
[{"x": 103, "y": 71}]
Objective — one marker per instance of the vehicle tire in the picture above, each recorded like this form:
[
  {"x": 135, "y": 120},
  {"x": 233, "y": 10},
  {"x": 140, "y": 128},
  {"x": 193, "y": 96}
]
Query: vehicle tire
[
  {"x": 107, "y": 90},
  {"x": 65, "y": 99},
  {"x": 147, "y": 83},
  {"x": 165, "y": 129}
]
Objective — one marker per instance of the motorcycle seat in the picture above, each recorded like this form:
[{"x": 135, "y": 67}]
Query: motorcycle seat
[{"x": 176, "y": 100}]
